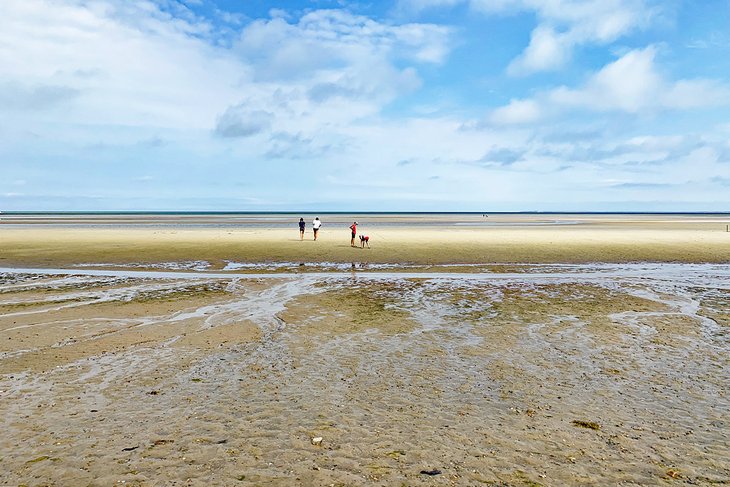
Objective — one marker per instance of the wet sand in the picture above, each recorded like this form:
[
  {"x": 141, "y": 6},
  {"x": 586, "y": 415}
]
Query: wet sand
[
  {"x": 543, "y": 375},
  {"x": 505, "y": 350},
  {"x": 217, "y": 241}
]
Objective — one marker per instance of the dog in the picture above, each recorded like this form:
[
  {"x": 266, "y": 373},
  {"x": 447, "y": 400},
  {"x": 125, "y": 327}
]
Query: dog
[{"x": 364, "y": 240}]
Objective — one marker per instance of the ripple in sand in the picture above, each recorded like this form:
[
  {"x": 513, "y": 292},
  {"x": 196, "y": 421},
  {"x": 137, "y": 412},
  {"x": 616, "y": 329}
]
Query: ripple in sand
[{"x": 226, "y": 380}]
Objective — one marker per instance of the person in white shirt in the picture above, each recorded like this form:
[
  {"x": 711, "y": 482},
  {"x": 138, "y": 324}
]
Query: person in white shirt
[{"x": 315, "y": 226}]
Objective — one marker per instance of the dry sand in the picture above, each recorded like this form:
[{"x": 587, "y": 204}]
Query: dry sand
[{"x": 435, "y": 239}]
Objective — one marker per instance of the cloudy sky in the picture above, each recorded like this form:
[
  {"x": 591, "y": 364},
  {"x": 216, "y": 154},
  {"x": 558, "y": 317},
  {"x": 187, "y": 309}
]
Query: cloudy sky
[{"x": 423, "y": 105}]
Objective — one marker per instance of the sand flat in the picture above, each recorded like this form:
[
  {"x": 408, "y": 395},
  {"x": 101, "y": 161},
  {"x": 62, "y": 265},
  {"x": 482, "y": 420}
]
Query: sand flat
[
  {"x": 529, "y": 351},
  {"x": 586, "y": 375},
  {"x": 394, "y": 239}
]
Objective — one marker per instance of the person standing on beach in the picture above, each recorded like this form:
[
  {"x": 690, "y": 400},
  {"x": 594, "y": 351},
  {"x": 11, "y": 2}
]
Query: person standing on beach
[
  {"x": 301, "y": 228},
  {"x": 315, "y": 226},
  {"x": 353, "y": 228}
]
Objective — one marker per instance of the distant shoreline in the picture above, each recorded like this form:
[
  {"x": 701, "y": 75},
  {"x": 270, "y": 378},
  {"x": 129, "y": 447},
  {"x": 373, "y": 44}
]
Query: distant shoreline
[{"x": 331, "y": 212}]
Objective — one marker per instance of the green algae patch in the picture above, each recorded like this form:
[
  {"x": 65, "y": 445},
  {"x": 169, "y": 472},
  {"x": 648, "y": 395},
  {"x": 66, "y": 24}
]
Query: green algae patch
[
  {"x": 375, "y": 306},
  {"x": 525, "y": 480},
  {"x": 182, "y": 293},
  {"x": 587, "y": 424},
  {"x": 27, "y": 305},
  {"x": 715, "y": 305},
  {"x": 585, "y": 302},
  {"x": 38, "y": 459}
]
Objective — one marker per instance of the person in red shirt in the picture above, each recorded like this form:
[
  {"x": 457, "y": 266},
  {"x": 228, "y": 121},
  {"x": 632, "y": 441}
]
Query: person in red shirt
[{"x": 353, "y": 227}]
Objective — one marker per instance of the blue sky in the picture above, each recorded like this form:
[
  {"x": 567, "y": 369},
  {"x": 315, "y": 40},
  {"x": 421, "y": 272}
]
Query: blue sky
[{"x": 420, "y": 105}]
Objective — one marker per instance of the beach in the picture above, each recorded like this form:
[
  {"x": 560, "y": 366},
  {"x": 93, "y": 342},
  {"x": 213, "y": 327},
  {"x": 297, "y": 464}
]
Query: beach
[
  {"x": 50, "y": 241},
  {"x": 406, "y": 243},
  {"x": 460, "y": 350}
]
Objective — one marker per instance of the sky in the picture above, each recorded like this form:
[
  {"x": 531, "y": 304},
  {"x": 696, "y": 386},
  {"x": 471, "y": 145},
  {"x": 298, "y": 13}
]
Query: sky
[{"x": 405, "y": 105}]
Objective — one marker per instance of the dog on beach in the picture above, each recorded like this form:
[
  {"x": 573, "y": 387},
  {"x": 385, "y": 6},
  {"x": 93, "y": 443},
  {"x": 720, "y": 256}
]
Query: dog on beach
[{"x": 364, "y": 240}]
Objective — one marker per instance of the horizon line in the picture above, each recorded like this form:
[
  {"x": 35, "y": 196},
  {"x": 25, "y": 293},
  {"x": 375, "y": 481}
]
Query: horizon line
[{"x": 337, "y": 212}]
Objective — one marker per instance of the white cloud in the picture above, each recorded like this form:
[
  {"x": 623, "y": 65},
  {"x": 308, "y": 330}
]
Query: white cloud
[
  {"x": 111, "y": 63},
  {"x": 120, "y": 90},
  {"x": 562, "y": 25},
  {"x": 517, "y": 112},
  {"x": 696, "y": 93},
  {"x": 631, "y": 84},
  {"x": 656, "y": 142},
  {"x": 418, "y": 5},
  {"x": 16, "y": 96},
  {"x": 122, "y": 63},
  {"x": 546, "y": 50},
  {"x": 325, "y": 71},
  {"x": 239, "y": 121},
  {"x": 332, "y": 39},
  {"x": 565, "y": 24}
]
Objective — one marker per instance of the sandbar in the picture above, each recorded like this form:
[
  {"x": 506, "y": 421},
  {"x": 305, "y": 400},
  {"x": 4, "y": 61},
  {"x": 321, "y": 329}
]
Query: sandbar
[{"x": 427, "y": 240}]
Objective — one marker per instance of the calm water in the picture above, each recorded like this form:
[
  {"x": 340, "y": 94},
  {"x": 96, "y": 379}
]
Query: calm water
[{"x": 284, "y": 220}]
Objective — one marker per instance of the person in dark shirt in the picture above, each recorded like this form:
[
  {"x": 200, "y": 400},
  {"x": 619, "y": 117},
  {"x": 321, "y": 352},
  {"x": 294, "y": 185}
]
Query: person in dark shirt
[{"x": 301, "y": 228}]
